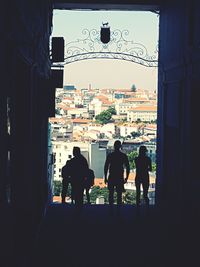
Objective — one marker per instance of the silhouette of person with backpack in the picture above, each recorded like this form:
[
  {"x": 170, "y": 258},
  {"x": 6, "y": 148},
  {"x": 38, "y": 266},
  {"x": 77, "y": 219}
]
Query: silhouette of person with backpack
[
  {"x": 115, "y": 163},
  {"x": 78, "y": 172},
  {"x": 65, "y": 173},
  {"x": 88, "y": 183},
  {"x": 143, "y": 166}
]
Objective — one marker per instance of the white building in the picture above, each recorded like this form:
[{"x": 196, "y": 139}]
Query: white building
[
  {"x": 108, "y": 130},
  {"x": 143, "y": 113},
  {"x": 123, "y": 107},
  {"x": 77, "y": 112},
  {"x": 150, "y": 129},
  {"x": 127, "y": 129},
  {"x": 95, "y": 156},
  {"x": 78, "y": 99},
  {"x": 94, "y": 127},
  {"x": 96, "y": 106},
  {"x": 108, "y": 127},
  {"x": 92, "y": 134},
  {"x": 61, "y": 151}
]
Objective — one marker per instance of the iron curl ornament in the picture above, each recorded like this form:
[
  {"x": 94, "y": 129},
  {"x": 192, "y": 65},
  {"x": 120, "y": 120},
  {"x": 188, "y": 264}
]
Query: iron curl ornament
[{"x": 118, "y": 47}]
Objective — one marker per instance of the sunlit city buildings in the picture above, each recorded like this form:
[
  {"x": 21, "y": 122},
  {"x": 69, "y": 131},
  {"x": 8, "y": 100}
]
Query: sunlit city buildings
[{"x": 79, "y": 121}]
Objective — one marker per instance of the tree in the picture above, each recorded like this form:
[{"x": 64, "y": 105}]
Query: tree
[
  {"x": 112, "y": 110},
  {"x": 96, "y": 191},
  {"x": 154, "y": 167},
  {"x": 131, "y": 157},
  {"x": 133, "y": 88},
  {"x": 57, "y": 111},
  {"x": 129, "y": 197},
  {"x": 105, "y": 116},
  {"x": 57, "y": 188}
]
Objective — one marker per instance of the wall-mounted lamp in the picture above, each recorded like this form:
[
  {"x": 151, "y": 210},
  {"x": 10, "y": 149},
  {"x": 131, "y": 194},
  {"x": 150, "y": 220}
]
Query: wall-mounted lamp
[
  {"x": 57, "y": 49},
  {"x": 105, "y": 33}
]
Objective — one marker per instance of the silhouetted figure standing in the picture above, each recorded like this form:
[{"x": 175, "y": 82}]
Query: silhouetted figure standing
[
  {"x": 143, "y": 166},
  {"x": 88, "y": 183},
  {"x": 78, "y": 172},
  {"x": 65, "y": 173},
  {"x": 115, "y": 163}
]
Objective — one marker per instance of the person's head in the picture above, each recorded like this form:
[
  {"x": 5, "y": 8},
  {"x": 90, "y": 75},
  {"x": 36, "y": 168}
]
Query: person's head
[
  {"x": 76, "y": 151},
  {"x": 142, "y": 150},
  {"x": 117, "y": 145}
]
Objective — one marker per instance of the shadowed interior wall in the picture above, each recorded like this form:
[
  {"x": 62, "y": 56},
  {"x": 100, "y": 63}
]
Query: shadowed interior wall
[
  {"x": 177, "y": 98},
  {"x": 26, "y": 81}
]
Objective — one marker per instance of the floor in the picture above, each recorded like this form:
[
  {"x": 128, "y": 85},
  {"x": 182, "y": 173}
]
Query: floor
[
  {"x": 98, "y": 236},
  {"x": 103, "y": 237}
]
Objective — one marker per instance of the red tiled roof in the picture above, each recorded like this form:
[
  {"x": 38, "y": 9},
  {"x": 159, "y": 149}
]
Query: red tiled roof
[
  {"x": 58, "y": 120},
  {"x": 83, "y": 121},
  {"x": 136, "y": 99},
  {"x": 68, "y": 98},
  {"x": 68, "y": 108},
  {"x": 144, "y": 108},
  {"x": 123, "y": 90},
  {"x": 151, "y": 126}
]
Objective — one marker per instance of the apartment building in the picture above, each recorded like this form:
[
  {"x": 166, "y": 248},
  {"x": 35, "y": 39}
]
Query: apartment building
[
  {"x": 142, "y": 113},
  {"x": 91, "y": 151}
]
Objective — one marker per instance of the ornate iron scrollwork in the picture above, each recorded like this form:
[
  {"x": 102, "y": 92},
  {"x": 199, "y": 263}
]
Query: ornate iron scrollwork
[{"x": 118, "y": 47}]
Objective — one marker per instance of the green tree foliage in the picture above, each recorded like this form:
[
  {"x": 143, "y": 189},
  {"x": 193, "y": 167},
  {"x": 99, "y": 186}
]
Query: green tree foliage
[
  {"x": 129, "y": 197},
  {"x": 154, "y": 167},
  {"x": 57, "y": 188},
  {"x": 105, "y": 116},
  {"x": 133, "y": 88},
  {"x": 112, "y": 110},
  {"x": 131, "y": 156},
  {"x": 57, "y": 111},
  {"x": 96, "y": 192}
]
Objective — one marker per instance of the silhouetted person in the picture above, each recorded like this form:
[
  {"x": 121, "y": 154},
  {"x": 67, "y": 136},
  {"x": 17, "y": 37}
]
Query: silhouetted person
[
  {"x": 78, "y": 172},
  {"x": 143, "y": 166},
  {"x": 115, "y": 163},
  {"x": 65, "y": 173},
  {"x": 88, "y": 183}
]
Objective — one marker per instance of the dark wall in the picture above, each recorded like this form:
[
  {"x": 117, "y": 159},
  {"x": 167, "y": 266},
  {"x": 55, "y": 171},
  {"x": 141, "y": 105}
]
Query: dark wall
[
  {"x": 25, "y": 83},
  {"x": 103, "y": 3},
  {"x": 178, "y": 92}
]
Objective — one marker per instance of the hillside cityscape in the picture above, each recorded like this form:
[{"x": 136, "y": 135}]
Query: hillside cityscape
[{"x": 93, "y": 119}]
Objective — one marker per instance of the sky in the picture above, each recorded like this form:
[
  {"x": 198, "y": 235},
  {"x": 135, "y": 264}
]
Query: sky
[{"x": 108, "y": 73}]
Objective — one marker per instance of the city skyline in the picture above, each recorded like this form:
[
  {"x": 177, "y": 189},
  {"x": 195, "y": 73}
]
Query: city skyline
[{"x": 108, "y": 73}]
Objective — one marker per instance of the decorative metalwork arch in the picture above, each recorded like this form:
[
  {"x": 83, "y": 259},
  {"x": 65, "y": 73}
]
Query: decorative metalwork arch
[{"x": 91, "y": 47}]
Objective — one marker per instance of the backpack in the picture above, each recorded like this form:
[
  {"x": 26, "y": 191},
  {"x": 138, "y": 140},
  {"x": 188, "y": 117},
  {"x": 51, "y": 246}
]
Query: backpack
[{"x": 65, "y": 171}]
